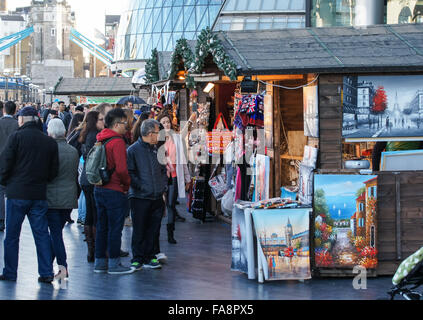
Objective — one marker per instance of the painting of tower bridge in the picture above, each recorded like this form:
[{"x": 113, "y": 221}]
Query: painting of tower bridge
[
  {"x": 382, "y": 106},
  {"x": 284, "y": 240}
]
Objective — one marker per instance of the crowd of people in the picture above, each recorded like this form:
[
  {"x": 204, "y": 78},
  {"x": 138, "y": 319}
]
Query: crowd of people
[{"x": 46, "y": 156}]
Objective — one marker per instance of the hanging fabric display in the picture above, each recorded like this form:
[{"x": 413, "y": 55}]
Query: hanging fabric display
[{"x": 249, "y": 110}]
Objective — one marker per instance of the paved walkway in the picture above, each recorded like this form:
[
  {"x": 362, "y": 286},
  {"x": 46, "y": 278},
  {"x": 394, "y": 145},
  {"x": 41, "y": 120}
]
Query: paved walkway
[{"x": 198, "y": 269}]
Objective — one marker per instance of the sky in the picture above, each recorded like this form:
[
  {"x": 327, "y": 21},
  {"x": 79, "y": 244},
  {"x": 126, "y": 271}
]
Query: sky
[{"x": 89, "y": 14}]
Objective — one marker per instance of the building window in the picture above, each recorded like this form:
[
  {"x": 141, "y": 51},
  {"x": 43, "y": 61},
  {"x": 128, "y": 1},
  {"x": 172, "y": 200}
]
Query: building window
[
  {"x": 372, "y": 236},
  {"x": 53, "y": 32}
]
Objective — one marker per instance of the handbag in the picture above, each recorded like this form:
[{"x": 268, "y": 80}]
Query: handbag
[
  {"x": 218, "y": 184},
  {"x": 219, "y": 138}
]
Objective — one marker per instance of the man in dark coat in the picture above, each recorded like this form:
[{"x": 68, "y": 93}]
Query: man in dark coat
[
  {"x": 29, "y": 161},
  {"x": 8, "y": 125}
]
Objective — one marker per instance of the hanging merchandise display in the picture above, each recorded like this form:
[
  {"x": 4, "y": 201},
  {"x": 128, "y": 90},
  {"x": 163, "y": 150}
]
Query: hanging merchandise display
[
  {"x": 311, "y": 113},
  {"x": 249, "y": 110},
  {"x": 220, "y": 137},
  {"x": 197, "y": 205},
  {"x": 262, "y": 178},
  {"x": 157, "y": 93},
  {"x": 217, "y": 183}
]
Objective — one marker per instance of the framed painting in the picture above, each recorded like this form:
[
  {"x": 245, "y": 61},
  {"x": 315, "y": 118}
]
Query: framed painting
[
  {"x": 345, "y": 221},
  {"x": 283, "y": 243}
]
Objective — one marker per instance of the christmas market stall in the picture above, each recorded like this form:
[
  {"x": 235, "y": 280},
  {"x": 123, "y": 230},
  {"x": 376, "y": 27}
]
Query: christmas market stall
[{"x": 355, "y": 95}]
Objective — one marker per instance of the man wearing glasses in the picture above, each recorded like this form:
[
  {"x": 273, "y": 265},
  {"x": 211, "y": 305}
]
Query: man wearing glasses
[
  {"x": 110, "y": 198},
  {"x": 148, "y": 184}
]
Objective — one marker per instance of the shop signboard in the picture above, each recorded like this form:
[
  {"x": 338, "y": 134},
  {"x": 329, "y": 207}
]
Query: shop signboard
[
  {"x": 345, "y": 221},
  {"x": 96, "y": 100},
  {"x": 283, "y": 243},
  {"x": 383, "y": 108}
]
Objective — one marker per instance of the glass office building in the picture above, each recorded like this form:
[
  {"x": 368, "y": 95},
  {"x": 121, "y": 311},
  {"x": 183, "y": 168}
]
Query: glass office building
[
  {"x": 149, "y": 24},
  {"x": 261, "y": 15}
]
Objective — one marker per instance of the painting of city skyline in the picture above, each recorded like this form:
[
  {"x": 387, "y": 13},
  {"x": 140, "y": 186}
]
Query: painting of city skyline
[
  {"x": 283, "y": 236},
  {"x": 345, "y": 221},
  {"x": 382, "y": 107}
]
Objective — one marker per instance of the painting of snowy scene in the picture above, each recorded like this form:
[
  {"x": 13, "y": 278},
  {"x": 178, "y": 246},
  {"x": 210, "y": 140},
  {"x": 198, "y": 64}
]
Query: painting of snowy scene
[
  {"x": 382, "y": 106},
  {"x": 345, "y": 221},
  {"x": 283, "y": 235}
]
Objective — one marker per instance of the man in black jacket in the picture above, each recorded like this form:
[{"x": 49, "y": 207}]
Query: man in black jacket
[
  {"x": 148, "y": 184},
  {"x": 8, "y": 125},
  {"x": 29, "y": 161}
]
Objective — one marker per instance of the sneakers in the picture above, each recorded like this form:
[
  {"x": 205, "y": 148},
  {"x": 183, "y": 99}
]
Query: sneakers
[
  {"x": 136, "y": 266},
  {"x": 161, "y": 257},
  {"x": 120, "y": 269},
  {"x": 153, "y": 264}
]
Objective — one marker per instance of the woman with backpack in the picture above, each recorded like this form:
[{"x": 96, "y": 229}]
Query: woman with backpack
[{"x": 94, "y": 123}]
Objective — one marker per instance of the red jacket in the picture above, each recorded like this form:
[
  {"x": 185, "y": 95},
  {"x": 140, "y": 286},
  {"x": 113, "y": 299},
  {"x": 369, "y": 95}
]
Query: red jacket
[{"x": 116, "y": 158}]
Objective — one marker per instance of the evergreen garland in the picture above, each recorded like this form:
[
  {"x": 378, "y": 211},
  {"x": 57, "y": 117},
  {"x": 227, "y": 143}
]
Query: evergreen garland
[
  {"x": 182, "y": 50},
  {"x": 208, "y": 42},
  {"x": 152, "y": 68}
]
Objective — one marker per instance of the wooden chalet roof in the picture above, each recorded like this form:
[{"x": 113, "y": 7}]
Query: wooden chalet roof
[
  {"x": 94, "y": 86},
  {"x": 378, "y": 48}
]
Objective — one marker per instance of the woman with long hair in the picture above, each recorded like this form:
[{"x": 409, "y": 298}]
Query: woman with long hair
[
  {"x": 136, "y": 130},
  {"x": 93, "y": 124},
  {"x": 178, "y": 174},
  {"x": 75, "y": 123}
]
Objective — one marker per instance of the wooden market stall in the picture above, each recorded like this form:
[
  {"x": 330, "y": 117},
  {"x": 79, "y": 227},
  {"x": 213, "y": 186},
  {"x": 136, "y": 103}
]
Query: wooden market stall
[{"x": 324, "y": 57}]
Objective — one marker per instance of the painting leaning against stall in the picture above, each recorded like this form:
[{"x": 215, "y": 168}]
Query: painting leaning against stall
[
  {"x": 382, "y": 106},
  {"x": 345, "y": 221},
  {"x": 283, "y": 236}
]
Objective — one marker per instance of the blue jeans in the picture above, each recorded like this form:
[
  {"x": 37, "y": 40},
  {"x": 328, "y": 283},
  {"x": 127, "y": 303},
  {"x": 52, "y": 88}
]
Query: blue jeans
[
  {"x": 111, "y": 210},
  {"x": 2, "y": 202},
  {"x": 56, "y": 221},
  {"x": 36, "y": 210},
  {"x": 82, "y": 207}
]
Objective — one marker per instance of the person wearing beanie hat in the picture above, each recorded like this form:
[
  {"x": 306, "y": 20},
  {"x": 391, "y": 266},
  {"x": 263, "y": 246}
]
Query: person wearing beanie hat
[{"x": 26, "y": 191}]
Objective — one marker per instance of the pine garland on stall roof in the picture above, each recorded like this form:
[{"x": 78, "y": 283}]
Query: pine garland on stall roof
[{"x": 152, "y": 68}]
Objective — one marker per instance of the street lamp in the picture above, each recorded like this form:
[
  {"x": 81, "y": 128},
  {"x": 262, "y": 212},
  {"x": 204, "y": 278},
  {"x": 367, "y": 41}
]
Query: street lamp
[
  {"x": 51, "y": 94},
  {"x": 6, "y": 75}
]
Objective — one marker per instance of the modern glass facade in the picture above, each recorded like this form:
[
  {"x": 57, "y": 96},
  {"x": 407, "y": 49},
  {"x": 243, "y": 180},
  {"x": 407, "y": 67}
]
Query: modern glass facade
[
  {"x": 261, "y": 15},
  {"x": 149, "y": 24},
  {"x": 404, "y": 11}
]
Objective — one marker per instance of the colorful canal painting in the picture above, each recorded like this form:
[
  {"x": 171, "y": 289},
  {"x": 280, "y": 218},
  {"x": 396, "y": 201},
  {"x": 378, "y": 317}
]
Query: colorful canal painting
[
  {"x": 345, "y": 221},
  {"x": 283, "y": 237}
]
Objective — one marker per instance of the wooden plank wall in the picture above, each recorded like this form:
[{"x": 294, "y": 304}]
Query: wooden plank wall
[
  {"x": 404, "y": 196},
  {"x": 330, "y": 124},
  {"x": 410, "y": 206}
]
